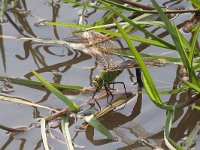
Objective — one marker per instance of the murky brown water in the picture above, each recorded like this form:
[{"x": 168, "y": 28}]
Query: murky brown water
[{"x": 19, "y": 57}]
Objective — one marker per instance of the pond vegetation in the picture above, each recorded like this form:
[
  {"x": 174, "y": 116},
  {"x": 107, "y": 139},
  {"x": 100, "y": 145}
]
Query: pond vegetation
[{"x": 122, "y": 19}]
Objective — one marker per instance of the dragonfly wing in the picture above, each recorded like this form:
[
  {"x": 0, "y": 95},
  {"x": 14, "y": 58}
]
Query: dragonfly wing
[
  {"x": 101, "y": 47},
  {"x": 111, "y": 61},
  {"x": 75, "y": 39},
  {"x": 102, "y": 42}
]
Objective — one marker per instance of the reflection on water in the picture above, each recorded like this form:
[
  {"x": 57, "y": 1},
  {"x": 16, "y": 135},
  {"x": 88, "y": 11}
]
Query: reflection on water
[{"x": 62, "y": 64}]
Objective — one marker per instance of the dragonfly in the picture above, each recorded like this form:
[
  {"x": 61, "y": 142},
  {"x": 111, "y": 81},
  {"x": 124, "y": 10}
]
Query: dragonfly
[{"x": 105, "y": 51}]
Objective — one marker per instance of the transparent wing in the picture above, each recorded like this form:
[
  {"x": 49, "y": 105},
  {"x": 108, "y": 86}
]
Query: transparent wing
[{"x": 101, "y": 47}]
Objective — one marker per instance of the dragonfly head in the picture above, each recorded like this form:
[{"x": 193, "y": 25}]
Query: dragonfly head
[{"x": 98, "y": 82}]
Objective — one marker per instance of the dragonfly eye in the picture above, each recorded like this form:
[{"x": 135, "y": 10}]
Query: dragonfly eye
[{"x": 97, "y": 82}]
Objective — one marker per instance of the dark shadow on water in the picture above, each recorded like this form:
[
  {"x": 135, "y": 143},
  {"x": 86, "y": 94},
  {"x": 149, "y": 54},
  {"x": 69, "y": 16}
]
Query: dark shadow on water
[{"x": 113, "y": 120}]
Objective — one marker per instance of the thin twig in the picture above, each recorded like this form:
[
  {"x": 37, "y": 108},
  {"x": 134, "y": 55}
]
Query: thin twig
[
  {"x": 139, "y": 4},
  {"x": 152, "y": 8}
]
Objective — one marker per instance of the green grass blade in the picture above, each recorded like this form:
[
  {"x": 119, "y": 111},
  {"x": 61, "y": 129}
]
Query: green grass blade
[
  {"x": 65, "y": 130},
  {"x": 140, "y": 20},
  {"x": 137, "y": 26},
  {"x": 99, "y": 126},
  {"x": 73, "y": 106},
  {"x": 68, "y": 25},
  {"x": 102, "y": 21},
  {"x": 196, "y": 107},
  {"x": 149, "y": 85},
  {"x": 3, "y": 8},
  {"x": 27, "y": 82},
  {"x": 84, "y": 4},
  {"x": 191, "y": 85},
  {"x": 194, "y": 41},
  {"x": 43, "y": 133},
  {"x": 196, "y": 3},
  {"x": 81, "y": 18},
  {"x": 134, "y": 38},
  {"x": 192, "y": 136},
  {"x": 178, "y": 41},
  {"x": 168, "y": 141}
]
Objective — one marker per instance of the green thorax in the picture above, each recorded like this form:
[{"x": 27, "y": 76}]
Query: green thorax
[
  {"x": 109, "y": 76},
  {"x": 105, "y": 77}
]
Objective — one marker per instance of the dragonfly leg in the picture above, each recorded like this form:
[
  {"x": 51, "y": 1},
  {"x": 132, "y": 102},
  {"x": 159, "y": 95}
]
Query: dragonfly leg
[
  {"x": 95, "y": 99},
  {"x": 108, "y": 93},
  {"x": 97, "y": 104},
  {"x": 95, "y": 93},
  {"x": 122, "y": 84}
]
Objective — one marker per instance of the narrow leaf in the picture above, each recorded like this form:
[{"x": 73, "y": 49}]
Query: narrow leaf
[
  {"x": 43, "y": 132},
  {"x": 137, "y": 26},
  {"x": 196, "y": 3},
  {"x": 27, "y": 82},
  {"x": 168, "y": 141},
  {"x": 192, "y": 136},
  {"x": 149, "y": 85},
  {"x": 191, "y": 85},
  {"x": 99, "y": 126},
  {"x": 196, "y": 107},
  {"x": 73, "y": 106},
  {"x": 65, "y": 130}
]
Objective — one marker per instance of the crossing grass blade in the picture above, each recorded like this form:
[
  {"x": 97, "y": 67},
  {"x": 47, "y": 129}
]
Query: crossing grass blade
[
  {"x": 191, "y": 85},
  {"x": 196, "y": 3},
  {"x": 192, "y": 136},
  {"x": 43, "y": 133},
  {"x": 84, "y": 4},
  {"x": 103, "y": 20},
  {"x": 168, "y": 141},
  {"x": 178, "y": 41},
  {"x": 194, "y": 41},
  {"x": 73, "y": 106},
  {"x": 65, "y": 130},
  {"x": 196, "y": 107},
  {"x": 147, "y": 80},
  {"x": 132, "y": 37},
  {"x": 154, "y": 37},
  {"x": 99, "y": 126},
  {"x": 3, "y": 9},
  {"x": 27, "y": 82}
]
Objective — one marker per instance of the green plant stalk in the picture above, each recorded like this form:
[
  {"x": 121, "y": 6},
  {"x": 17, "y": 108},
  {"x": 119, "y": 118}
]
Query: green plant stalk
[
  {"x": 73, "y": 106},
  {"x": 4, "y": 4},
  {"x": 134, "y": 38},
  {"x": 194, "y": 41},
  {"x": 137, "y": 26},
  {"x": 196, "y": 3},
  {"x": 168, "y": 141},
  {"x": 192, "y": 136},
  {"x": 65, "y": 130},
  {"x": 43, "y": 133},
  {"x": 21, "y": 81},
  {"x": 81, "y": 20},
  {"x": 149, "y": 85},
  {"x": 99, "y": 126},
  {"x": 178, "y": 41}
]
